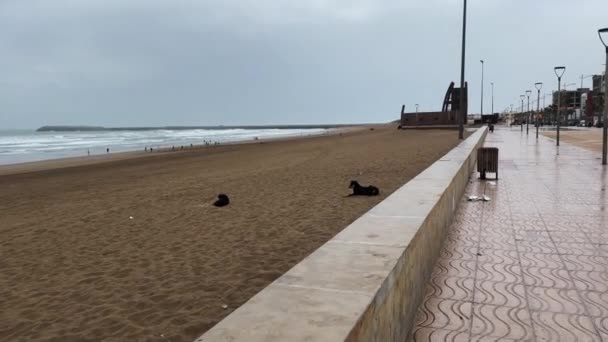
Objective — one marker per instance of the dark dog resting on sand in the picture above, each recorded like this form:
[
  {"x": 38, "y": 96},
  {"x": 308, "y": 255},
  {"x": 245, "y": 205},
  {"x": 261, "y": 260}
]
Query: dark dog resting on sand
[
  {"x": 222, "y": 200},
  {"x": 359, "y": 190}
]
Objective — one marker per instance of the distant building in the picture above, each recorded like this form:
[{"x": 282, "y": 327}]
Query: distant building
[
  {"x": 572, "y": 102},
  {"x": 595, "y": 99},
  {"x": 598, "y": 83},
  {"x": 571, "y": 99}
]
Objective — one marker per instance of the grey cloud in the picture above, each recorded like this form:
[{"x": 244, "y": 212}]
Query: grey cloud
[{"x": 246, "y": 62}]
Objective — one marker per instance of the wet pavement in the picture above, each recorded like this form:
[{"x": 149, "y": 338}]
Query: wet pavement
[{"x": 532, "y": 263}]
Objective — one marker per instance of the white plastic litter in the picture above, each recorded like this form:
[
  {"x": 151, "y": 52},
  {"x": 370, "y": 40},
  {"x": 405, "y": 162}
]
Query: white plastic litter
[
  {"x": 130, "y": 217},
  {"x": 482, "y": 198},
  {"x": 224, "y": 306}
]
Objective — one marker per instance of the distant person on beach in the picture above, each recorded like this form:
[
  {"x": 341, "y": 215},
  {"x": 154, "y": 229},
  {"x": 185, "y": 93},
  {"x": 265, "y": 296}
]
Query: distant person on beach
[
  {"x": 88, "y": 152},
  {"x": 108, "y": 150}
]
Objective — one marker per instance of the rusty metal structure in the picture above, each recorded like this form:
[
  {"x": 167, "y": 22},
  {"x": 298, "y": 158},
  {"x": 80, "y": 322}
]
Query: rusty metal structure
[{"x": 448, "y": 116}]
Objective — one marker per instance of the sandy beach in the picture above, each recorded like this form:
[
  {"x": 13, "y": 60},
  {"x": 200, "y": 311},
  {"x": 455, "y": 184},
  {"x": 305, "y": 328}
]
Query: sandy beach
[
  {"x": 590, "y": 139},
  {"x": 131, "y": 249}
]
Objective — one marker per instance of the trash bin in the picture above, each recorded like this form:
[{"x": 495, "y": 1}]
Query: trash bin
[{"x": 487, "y": 161}]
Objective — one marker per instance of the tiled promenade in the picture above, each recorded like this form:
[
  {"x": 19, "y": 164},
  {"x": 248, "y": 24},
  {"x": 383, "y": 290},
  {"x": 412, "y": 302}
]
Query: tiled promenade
[{"x": 531, "y": 264}]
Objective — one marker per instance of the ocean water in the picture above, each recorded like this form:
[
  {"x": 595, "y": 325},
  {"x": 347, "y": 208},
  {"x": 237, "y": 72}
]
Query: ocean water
[{"x": 18, "y": 146}]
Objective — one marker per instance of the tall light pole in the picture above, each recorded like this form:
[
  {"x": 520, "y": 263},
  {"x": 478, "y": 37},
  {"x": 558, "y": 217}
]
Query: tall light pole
[
  {"x": 462, "y": 94},
  {"x": 416, "y": 108},
  {"x": 559, "y": 72},
  {"x": 521, "y": 117},
  {"x": 528, "y": 92},
  {"x": 492, "y": 83},
  {"x": 481, "y": 60},
  {"x": 538, "y": 86},
  {"x": 604, "y": 32}
]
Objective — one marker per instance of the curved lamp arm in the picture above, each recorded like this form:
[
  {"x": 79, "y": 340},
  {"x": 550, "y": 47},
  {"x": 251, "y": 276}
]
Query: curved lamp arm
[
  {"x": 559, "y": 71},
  {"x": 600, "y": 32}
]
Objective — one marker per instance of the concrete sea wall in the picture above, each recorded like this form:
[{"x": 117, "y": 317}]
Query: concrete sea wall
[{"x": 366, "y": 283}]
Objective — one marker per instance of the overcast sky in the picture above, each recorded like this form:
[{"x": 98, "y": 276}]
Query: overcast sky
[{"x": 206, "y": 62}]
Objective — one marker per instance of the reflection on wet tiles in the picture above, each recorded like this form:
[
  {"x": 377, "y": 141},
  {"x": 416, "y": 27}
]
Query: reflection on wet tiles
[{"x": 532, "y": 264}]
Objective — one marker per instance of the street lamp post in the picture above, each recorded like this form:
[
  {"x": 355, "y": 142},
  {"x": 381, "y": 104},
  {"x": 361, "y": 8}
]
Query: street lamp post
[
  {"x": 604, "y": 32},
  {"x": 528, "y": 92},
  {"x": 461, "y": 104},
  {"x": 559, "y": 72},
  {"x": 481, "y": 60},
  {"x": 538, "y": 86},
  {"x": 521, "y": 117},
  {"x": 416, "y": 108},
  {"x": 492, "y": 83}
]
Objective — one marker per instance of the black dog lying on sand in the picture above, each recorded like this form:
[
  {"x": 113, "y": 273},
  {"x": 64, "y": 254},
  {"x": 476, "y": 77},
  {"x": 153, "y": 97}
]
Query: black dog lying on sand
[
  {"x": 222, "y": 200},
  {"x": 359, "y": 190}
]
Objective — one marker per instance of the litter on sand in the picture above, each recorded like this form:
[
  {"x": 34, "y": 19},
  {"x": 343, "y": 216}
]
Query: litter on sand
[
  {"x": 130, "y": 217},
  {"x": 483, "y": 198},
  {"x": 224, "y": 306}
]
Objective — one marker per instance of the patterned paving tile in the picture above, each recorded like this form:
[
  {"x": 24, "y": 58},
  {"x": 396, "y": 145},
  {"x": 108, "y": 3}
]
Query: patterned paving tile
[
  {"x": 586, "y": 262},
  {"x": 590, "y": 280},
  {"x": 498, "y": 256},
  {"x": 542, "y": 246},
  {"x": 501, "y": 322},
  {"x": 497, "y": 242},
  {"x": 541, "y": 260},
  {"x": 444, "y": 314},
  {"x": 439, "y": 335},
  {"x": 576, "y": 237},
  {"x": 596, "y": 302},
  {"x": 576, "y": 248},
  {"x": 601, "y": 323},
  {"x": 547, "y": 277},
  {"x": 503, "y": 294},
  {"x": 499, "y": 273},
  {"x": 550, "y": 326},
  {"x": 562, "y": 226},
  {"x": 532, "y": 235},
  {"x": 555, "y": 300},
  {"x": 459, "y": 252},
  {"x": 531, "y": 224},
  {"x": 455, "y": 268},
  {"x": 454, "y": 288},
  {"x": 462, "y": 240},
  {"x": 503, "y": 233}
]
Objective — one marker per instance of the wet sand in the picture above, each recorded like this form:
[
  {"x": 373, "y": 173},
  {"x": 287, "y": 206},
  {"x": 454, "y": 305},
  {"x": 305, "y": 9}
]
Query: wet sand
[{"x": 74, "y": 266}]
